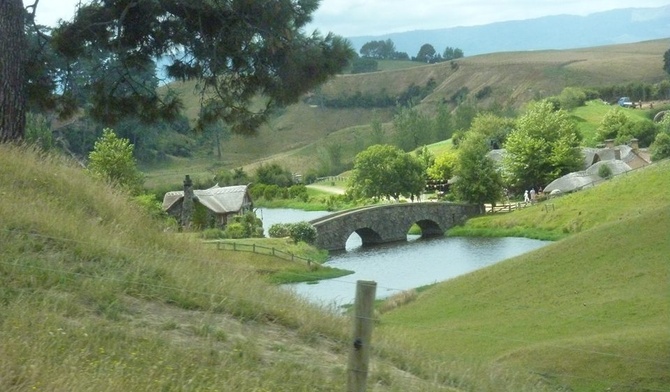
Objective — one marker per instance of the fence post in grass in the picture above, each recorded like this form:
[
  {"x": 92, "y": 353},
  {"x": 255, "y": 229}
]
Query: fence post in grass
[{"x": 359, "y": 356}]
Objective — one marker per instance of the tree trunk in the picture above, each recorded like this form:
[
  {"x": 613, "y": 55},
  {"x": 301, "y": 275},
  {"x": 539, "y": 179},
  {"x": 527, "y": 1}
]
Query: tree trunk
[{"x": 12, "y": 71}]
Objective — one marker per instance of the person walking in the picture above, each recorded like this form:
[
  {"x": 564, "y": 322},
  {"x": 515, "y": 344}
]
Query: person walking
[{"x": 526, "y": 199}]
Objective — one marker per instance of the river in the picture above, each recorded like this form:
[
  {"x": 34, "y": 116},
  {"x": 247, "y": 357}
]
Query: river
[{"x": 399, "y": 266}]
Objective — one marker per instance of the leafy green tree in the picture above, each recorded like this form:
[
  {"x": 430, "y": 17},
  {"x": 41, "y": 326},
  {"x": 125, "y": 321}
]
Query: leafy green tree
[
  {"x": 426, "y": 53},
  {"x": 413, "y": 129},
  {"x": 112, "y": 160},
  {"x": 443, "y": 124},
  {"x": 424, "y": 156},
  {"x": 376, "y": 131},
  {"x": 666, "y": 61},
  {"x": 478, "y": 180},
  {"x": 572, "y": 97},
  {"x": 378, "y": 49},
  {"x": 385, "y": 171},
  {"x": 494, "y": 129},
  {"x": 464, "y": 114},
  {"x": 543, "y": 147},
  {"x": 614, "y": 123},
  {"x": 443, "y": 167},
  {"x": 643, "y": 130}
]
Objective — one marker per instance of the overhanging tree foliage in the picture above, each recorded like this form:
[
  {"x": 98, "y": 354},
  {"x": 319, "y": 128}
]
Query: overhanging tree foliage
[{"x": 237, "y": 50}]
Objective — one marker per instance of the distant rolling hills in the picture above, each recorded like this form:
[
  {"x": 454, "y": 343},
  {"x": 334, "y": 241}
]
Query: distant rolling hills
[
  {"x": 298, "y": 134},
  {"x": 550, "y": 32}
]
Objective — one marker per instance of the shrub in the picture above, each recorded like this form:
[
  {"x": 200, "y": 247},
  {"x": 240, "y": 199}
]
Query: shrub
[
  {"x": 213, "y": 234},
  {"x": 302, "y": 231},
  {"x": 298, "y": 192},
  {"x": 235, "y": 230},
  {"x": 151, "y": 205},
  {"x": 112, "y": 160},
  {"x": 271, "y": 192},
  {"x": 605, "y": 172},
  {"x": 279, "y": 230}
]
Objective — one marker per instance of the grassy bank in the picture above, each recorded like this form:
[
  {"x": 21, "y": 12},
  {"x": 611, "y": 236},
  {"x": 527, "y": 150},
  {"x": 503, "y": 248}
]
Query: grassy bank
[
  {"x": 94, "y": 295},
  {"x": 587, "y": 313},
  {"x": 621, "y": 198}
]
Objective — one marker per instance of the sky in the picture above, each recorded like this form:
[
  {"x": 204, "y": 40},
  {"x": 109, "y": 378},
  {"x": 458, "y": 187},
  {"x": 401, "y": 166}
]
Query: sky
[{"x": 351, "y": 18}]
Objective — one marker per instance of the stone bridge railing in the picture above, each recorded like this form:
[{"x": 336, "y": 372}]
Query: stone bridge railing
[{"x": 389, "y": 223}]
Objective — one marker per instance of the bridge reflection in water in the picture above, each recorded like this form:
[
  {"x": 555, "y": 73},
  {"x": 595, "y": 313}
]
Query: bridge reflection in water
[{"x": 389, "y": 223}]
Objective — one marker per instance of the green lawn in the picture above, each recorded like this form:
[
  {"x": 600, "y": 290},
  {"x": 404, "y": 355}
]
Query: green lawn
[
  {"x": 588, "y": 118},
  {"x": 589, "y": 312}
]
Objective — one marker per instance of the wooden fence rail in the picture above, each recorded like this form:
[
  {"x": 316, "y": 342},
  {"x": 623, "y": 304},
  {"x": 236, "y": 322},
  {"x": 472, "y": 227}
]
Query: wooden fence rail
[{"x": 259, "y": 249}]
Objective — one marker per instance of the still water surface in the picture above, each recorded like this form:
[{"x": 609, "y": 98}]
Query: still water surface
[{"x": 400, "y": 266}]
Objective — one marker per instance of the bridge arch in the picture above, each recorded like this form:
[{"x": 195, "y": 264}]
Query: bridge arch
[{"x": 389, "y": 223}]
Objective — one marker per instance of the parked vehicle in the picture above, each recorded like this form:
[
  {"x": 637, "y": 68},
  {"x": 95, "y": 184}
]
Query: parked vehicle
[{"x": 625, "y": 102}]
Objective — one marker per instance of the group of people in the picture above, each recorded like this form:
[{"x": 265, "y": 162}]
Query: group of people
[{"x": 529, "y": 196}]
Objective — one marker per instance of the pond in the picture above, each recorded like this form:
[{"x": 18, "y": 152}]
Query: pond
[{"x": 403, "y": 265}]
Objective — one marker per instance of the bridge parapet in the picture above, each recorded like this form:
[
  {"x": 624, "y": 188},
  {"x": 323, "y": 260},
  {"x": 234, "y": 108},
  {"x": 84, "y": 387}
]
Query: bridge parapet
[{"x": 389, "y": 223}]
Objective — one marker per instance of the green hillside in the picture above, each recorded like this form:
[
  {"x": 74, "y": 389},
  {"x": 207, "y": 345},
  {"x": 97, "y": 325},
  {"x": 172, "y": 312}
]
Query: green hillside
[
  {"x": 587, "y": 313},
  {"x": 94, "y": 295},
  {"x": 292, "y": 137}
]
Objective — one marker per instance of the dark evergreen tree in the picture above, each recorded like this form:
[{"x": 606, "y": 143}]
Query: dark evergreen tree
[{"x": 237, "y": 50}]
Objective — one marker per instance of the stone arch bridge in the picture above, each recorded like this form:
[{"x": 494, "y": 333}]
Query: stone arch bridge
[{"x": 389, "y": 222}]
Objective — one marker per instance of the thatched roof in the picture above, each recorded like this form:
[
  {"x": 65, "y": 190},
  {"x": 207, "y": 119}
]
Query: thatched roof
[{"x": 218, "y": 199}]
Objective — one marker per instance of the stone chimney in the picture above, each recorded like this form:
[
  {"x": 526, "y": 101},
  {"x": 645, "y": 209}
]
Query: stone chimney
[
  {"x": 187, "y": 204},
  {"x": 634, "y": 144},
  {"x": 609, "y": 143}
]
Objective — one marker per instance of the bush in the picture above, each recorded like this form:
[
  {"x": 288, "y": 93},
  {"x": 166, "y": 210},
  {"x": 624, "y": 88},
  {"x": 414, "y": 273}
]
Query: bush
[
  {"x": 235, "y": 230},
  {"x": 302, "y": 231},
  {"x": 151, "y": 205},
  {"x": 605, "y": 172},
  {"x": 271, "y": 192},
  {"x": 213, "y": 234},
  {"x": 279, "y": 230},
  {"x": 298, "y": 192},
  {"x": 112, "y": 160}
]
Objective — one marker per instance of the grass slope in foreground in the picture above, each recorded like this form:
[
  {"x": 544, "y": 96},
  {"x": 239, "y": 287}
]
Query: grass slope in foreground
[
  {"x": 587, "y": 313},
  {"x": 94, "y": 296}
]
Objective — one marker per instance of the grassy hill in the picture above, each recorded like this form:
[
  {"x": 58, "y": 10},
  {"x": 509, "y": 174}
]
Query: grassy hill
[
  {"x": 95, "y": 295},
  {"x": 587, "y": 313},
  {"x": 294, "y": 135}
]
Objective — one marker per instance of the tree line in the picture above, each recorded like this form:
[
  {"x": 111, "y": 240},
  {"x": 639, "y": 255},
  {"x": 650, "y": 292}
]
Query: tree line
[{"x": 373, "y": 51}]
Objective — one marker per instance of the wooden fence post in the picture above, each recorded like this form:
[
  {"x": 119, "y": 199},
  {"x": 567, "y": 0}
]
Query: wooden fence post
[{"x": 359, "y": 356}]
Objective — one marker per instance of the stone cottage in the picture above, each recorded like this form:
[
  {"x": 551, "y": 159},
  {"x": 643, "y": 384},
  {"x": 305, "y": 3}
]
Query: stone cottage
[{"x": 220, "y": 204}]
